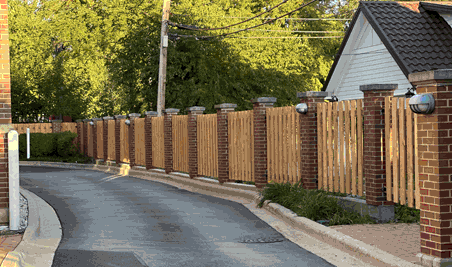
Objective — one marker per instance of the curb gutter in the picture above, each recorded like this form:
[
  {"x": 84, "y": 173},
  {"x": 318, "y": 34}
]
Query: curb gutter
[{"x": 316, "y": 230}]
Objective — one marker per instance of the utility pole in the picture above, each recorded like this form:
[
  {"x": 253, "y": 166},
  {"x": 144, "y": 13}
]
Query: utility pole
[{"x": 163, "y": 57}]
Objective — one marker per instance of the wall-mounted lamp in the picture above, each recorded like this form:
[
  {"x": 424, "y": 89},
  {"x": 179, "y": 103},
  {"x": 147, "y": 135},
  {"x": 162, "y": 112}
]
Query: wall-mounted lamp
[
  {"x": 422, "y": 104},
  {"x": 331, "y": 98},
  {"x": 127, "y": 122},
  {"x": 302, "y": 108},
  {"x": 91, "y": 123},
  {"x": 410, "y": 93}
]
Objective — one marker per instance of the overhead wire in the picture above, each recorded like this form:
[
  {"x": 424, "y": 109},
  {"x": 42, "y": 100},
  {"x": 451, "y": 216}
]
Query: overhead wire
[
  {"x": 267, "y": 18},
  {"x": 188, "y": 27},
  {"x": 255, "y": 26}
]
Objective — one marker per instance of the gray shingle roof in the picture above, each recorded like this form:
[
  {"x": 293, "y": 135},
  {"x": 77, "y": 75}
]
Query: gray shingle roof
[{"x": 417, "y": 41}]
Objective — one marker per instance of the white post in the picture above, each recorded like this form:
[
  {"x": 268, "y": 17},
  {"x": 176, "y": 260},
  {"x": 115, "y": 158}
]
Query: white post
[
  {"x": 28, "y": 143},
  {"x": 13, "y": 166}
]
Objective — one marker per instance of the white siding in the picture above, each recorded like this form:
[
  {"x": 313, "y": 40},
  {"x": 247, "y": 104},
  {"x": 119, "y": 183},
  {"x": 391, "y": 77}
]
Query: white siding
[
  {"x": 376, "y": 67},
  {"x": 447, "y": 18}
]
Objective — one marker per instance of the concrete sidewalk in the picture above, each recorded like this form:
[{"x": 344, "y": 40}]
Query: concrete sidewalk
[{"x": 44, "y": 233}]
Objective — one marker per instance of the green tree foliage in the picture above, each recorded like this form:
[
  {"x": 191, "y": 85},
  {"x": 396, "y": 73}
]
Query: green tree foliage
[{"x": 113, "y": 66}]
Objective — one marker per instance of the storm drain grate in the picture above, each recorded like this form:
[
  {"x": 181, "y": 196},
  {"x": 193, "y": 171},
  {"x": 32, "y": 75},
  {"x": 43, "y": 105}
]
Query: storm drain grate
[{"x": 262, "y": 240}]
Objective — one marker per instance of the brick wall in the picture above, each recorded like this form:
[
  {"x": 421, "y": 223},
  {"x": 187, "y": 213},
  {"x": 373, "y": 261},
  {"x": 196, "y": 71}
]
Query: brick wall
[{"x": 5, "y": 114}]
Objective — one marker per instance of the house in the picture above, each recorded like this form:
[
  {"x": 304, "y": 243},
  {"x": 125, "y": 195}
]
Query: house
[{"x": 386, "y": 41}]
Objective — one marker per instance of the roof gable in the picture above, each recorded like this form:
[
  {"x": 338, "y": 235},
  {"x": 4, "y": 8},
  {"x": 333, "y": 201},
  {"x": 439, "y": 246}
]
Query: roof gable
[{"x": 416, "y": 36}]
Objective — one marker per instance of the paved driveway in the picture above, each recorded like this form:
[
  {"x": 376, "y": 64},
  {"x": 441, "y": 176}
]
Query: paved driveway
[{"x": 125, "y": 221}]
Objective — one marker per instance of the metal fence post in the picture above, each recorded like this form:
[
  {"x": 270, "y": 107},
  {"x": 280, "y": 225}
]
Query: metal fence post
[{"x": 13, "y": 162}]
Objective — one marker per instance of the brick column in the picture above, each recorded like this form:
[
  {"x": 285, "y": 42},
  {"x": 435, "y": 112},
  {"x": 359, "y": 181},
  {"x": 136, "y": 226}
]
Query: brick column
[
  {"x": 85, "y": 136},
  {"x": 105, "y": 135},
  {"x": 95, "y": 120},
  {"x": 132, "y": 118},
  {"x": 308, "y": 134},
  {"x": 193, "y": 113},
  {"x": 260, "y": 138},
  {"x": 148, "y": 137},
  {"x": 374, "y": 129},
  {"x": 56, "y": 126},
  {"x": 80, "y": 135},
  {"x": 168, "y": 129},
  {"x": 5, "y": 117},
  {"x": 118, "y": 119},
  {"x": 435, "y": 167},
  {"x": 223, "y": 141}
]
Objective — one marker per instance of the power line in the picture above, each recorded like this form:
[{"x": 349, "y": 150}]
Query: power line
[
  {"x": 266, "y": 22},
  {"x": 211, "y": 29},
  {"x": 265, "y": 18},
  {"x": 290, "y": 31},
  {"x": 177, "y": 37}
]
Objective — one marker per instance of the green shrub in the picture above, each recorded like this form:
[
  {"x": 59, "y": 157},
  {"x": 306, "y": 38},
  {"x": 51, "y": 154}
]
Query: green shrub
[
  {"x": 41, "y": 144},
  {"x": 67, "y": 145}
]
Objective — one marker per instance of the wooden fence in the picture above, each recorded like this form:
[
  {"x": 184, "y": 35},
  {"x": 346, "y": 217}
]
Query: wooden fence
[
  {"x": 180, "y": 143},
  {"x": 241, "y": 145},
  {"x": 284, "y": 146},
  {"x": 140, "y": 153},
  {"x": 158, "y": 142},
  {"x": 340, "y": 143},
  {"x": 207, "y": 145}
]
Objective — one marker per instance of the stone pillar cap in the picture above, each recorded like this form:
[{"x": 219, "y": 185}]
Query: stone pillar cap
[
  {"x": 134, "y": 115},
  {"x": 372, "y": 87},
  {"x": 225, "y": 105},
  {"x": 313, "y": 94},
  {"x": 79, "y": 120},
  {"x": 120, "y": 117},
  {"x": 196, "y": 108},
  {"x": 171, "y": 110},
  {"x": 151, "y": 113},
  {"x": 264, "y": 100},
  {"x": 106, "y": 118},
  {"x": 96, "y": 119},
  {"x": 86, "y": 120},
  {"x": 57, "y": 120},
  {"x": 443, "y": 74}
]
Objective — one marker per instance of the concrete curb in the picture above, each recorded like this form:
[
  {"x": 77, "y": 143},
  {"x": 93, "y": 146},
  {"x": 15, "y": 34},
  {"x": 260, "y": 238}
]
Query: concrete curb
[
  {"x": 41, "y": 238},
  {"x": 315, "y": 229}
]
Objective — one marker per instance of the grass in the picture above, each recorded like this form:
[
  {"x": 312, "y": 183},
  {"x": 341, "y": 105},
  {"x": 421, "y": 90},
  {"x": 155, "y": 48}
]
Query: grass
[{"x": 312, "y": 204}]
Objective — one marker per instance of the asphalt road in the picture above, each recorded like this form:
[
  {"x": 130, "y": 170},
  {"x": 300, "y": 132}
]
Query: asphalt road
[{"x": 126, "y": 221}]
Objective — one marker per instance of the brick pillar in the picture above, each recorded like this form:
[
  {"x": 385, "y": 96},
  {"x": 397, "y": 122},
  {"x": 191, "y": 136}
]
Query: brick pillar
[
  {"x": 132, "y": 117},
  {"x": 118, "y": 119},
  {"x": 168, "y": 129},
  {"x": 193, "y": 113},
  {"x": 260, "y": 138},
  {"x": 308, "y": 134},
  {"x": 105, "y": 135},
  {"x": 80, "y": 135},
  {"x": 56, "y": 126},
  {"x": 223, "y": 141},
  {"x": 5, "y": 117},
  {"x": 435, "y": 167},
  {"x": 85, "y": 136},
  {"x": 95, "y": 154},
  {"x": 374, "y": 130},
  {"x": 148, "y": 137}
]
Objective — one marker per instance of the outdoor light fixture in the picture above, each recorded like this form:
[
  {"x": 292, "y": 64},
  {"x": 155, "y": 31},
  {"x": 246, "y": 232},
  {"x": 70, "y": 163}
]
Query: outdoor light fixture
[
  {"x": 331, "y": 98},
  {"x": 410, "y": 93},
  {"x": 91, "y": 123},
  {"x": 127, "y": 122},
  {"x": 422, "y": 104},
  {"x": 302, "y": 108}
]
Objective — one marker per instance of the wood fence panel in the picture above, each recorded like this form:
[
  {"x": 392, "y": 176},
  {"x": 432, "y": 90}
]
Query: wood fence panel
[
  {"x": 111, "y": 140},
  {"x": 100, "y": 139},
  {"x": 342, "y": 147},
  {"x": 140, "y": 151},
  {"x": 241, "y": 138},
  {"x": 336, "y": 148},
  {"x": 207, "y": 145},
  {"x": 395, "y": 151},
  {"x": 158, "y": 142},
  {"x": 68, "y": 126},
  {"x": 180, "y": 143},
  {"x": 124, "y": 144}
]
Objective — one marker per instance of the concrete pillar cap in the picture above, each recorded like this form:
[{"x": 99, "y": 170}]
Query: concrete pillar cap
[
  {"x": 225, "y": 105},
  {"x": 120, "y": 117},
  {"x": 378, "y": 87},
  {"x": 313, "y": 94},
  {"x": 106, "y": 118}
]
